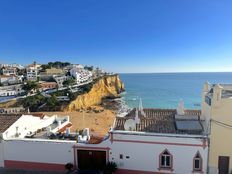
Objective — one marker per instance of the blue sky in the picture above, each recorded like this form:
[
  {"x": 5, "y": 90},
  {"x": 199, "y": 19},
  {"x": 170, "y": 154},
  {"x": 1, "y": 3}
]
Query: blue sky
[{"x": 119, "y": 35}]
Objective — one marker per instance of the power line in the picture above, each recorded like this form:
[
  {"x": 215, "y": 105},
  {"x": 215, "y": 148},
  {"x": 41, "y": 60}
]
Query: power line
[{"x": 221, "y": 123}]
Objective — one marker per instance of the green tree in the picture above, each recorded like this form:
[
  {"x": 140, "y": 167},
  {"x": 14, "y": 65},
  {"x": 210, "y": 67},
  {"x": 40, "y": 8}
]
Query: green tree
[
  {"x": 33, "y": 102},
  {"x": 58, "y": 64},
  {"x": 45, "y": 66},
  {"x": 69, "y": 82},
  {"x": 30, "y": 85},
  {"x": 89, "y": 68},
  {"x": 52, "y": 102}
]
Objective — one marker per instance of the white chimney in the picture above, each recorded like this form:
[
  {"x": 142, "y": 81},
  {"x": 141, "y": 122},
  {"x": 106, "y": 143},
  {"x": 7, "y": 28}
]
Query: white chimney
[
  {"x": 137, "y": 119},
  {"x": 141, "y": 107},
  {"x": 67, "y": 131},
  {"x": 180, "y": 108},
  {"x": 49, "y": 129},
  {"x": 59, "y": 123}
]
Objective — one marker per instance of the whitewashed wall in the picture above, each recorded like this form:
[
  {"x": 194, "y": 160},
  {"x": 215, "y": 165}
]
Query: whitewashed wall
[
  {"x": 145, "y": 157},
  {"x": 50, "y": 152}
]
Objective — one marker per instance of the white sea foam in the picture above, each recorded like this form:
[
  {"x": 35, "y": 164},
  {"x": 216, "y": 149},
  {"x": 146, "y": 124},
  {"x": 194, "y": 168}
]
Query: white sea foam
[{"x": 123, "y": 109}]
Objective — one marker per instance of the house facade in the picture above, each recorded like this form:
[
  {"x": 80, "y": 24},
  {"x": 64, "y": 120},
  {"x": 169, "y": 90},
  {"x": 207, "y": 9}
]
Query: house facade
[
  {"x": 48, "y": 85},
  {"x": 150, "y": 141},
  {"x": 32, "y": 71},
  {"x": 9, "y": 70},
  {"x": 81, "y": 75},
  {"x": 10, "y": 79},
  {"x": 216, "y": 108},
  {"x": 38, "y": 142},
  {"x": 11, "y": 90},
  {"x": 60, "y": 80},
  {"x": 54, "y": 71},
  {"x": 12, "y": 110}
]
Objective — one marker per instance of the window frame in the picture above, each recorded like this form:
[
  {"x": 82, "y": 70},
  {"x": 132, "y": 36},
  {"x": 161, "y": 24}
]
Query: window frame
[
  {"x": 198, "y": 156},
  {"x": 165, "y": 167}
]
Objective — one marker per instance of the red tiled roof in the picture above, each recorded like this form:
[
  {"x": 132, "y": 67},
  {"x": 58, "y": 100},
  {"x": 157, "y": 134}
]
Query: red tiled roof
[
  {"x": 157, "y": 121},
  {"x": 7, "y": 120},
  {"x": 64, "y": 128},
  {"x": 95, "y": 139}
]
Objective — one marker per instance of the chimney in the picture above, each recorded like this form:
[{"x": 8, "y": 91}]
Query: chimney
[
  {"x": 180, "y": 108},
  {"x": 137, "y": 119},
  {"x": 217, "y": 94},
  {"x": 67, "y": 132}
]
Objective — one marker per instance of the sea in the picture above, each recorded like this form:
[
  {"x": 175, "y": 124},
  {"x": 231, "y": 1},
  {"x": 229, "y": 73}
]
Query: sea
[{"x": 165, "y": 90}]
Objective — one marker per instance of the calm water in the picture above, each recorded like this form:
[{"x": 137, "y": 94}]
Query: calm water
[{"x": 164, "y": 90}]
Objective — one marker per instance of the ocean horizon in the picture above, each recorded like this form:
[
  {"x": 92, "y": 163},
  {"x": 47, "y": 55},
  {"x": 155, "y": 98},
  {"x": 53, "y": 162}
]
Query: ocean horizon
[{"x": 165, "y": 90}]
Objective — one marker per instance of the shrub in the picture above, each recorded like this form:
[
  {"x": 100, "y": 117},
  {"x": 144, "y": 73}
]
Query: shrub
[
  {"x": 110, "y": 168},
  {"x": 69, "y": 167}
]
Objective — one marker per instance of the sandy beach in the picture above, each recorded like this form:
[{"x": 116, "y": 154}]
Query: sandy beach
[{"x": 98, "y": 123}]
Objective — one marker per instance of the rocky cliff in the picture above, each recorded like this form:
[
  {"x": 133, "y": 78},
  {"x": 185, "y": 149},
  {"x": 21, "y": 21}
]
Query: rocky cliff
[{"x": 109, "y": 86}]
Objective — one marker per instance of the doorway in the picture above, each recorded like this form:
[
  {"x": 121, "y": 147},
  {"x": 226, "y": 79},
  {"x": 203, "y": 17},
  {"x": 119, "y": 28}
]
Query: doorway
[
  {"x": 223, "y": 164},
  {"x": 91, "y": 159}
]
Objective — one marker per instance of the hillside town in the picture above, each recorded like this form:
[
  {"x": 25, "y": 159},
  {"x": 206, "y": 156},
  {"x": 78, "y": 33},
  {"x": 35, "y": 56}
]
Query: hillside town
[{"x": 55, "y": 80}]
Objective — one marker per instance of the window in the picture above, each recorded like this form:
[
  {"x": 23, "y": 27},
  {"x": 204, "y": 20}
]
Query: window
[
  {"x": 197, "y": 162},
  {"x": 121, "y": 156},
  {"x": 165, "y": 160},
  {"x": 208, "y": 100}
]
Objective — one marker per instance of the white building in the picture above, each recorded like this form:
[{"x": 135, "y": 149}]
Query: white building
[
  {"x": 11, "y": 110},
  {"x": 4, "y": 93},
  {"x": 98, "y": 73},
  {"x": 32, "y": 71},
  {"x": 35, "y": 142},
  {"x": 151, "y": 141},
  {"x": 9, "y": 70},
  {"x": 60, "y": 79},
  {"x": 13, "y": 65},
  {"x": 5, "y": 123},
  {"x": 10, "y": 79},
  {"x": 144, "y": 141},
  {"x": 11, "y": 90},
  {"x": 81, "y": 75}
]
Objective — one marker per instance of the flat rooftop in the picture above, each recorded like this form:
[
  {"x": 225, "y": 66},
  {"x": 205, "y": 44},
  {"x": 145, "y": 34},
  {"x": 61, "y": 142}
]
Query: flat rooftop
[
  {"x": 163, "y": 121},
  {"x": 226, "y": 90}
]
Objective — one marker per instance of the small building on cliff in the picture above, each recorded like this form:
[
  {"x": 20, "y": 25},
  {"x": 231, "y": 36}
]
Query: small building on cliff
[{"x": 81, "y": 75}]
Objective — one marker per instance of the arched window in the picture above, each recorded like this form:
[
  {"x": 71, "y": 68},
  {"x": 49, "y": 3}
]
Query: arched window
[
  {"x": 197, "y": 162},
  {"x": 166, "y": 160}
]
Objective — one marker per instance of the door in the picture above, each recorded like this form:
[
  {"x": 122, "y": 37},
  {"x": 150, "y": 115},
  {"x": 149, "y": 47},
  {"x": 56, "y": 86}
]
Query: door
[
  {"x": 223, "y": 164},
  {"x": 91, "y": 159}
]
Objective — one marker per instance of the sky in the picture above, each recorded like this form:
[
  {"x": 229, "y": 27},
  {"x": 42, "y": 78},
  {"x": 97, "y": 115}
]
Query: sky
[{"x": 124, "y": 36}]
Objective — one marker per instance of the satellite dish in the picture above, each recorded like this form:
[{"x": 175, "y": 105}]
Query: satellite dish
[{"x": 130, "y": 125}]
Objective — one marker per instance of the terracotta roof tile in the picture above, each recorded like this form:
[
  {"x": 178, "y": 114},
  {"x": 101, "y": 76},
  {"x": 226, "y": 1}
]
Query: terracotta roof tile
[
  {"x": 157, "y": 121},
  {"x": 64, "y": 128}
]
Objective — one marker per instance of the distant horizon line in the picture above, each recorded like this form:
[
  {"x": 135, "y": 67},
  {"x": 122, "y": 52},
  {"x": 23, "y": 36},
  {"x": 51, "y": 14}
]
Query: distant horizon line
[{"x": 175, "y": 72}]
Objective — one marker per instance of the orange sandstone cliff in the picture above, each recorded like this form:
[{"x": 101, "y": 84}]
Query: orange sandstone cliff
[{"x": 108, "y": 86}]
